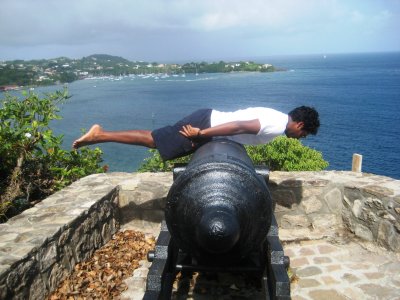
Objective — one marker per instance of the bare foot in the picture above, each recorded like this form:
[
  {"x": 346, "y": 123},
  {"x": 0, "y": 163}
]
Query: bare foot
[{"x": 88, "y": 138}]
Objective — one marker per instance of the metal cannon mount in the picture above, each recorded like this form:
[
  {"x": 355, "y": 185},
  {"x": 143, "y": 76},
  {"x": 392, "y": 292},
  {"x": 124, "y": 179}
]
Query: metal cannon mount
[{"x": 167, "y": 260}]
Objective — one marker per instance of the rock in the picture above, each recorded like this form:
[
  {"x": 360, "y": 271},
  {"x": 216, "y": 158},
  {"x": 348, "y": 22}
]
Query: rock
[
  {"x": 311, "y": 205},
  {"x": 334, "y": 200},
  {"x": 308, "y": 271},
  {"x": 363, "y": 232},
  {"x": 294, "y": 221},
  {"x": 324, "y": 221}
]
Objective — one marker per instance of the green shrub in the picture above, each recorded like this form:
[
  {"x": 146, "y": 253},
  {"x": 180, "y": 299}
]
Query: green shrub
[
  {"x": 287, "y": 154},
  {"x": 281, "y": 154},
  {"x": 154, "y": 163},
  {"x": 32, "y": 163}
]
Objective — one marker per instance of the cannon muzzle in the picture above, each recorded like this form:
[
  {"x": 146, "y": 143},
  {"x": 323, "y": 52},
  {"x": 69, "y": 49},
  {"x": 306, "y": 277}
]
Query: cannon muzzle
[
  {"x": 218, "y": 207},
  {"x": 218, "y": 231}
]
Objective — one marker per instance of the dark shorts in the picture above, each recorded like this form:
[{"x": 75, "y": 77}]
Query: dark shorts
[{"x": 172, "y": 144}]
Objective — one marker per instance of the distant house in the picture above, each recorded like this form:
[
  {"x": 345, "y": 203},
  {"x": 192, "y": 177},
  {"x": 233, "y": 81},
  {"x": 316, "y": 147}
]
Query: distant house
[
  {"x": 42, "y": 78},
  {"x": 49, "y": 71},
  {"x": 5, "y": 88}
]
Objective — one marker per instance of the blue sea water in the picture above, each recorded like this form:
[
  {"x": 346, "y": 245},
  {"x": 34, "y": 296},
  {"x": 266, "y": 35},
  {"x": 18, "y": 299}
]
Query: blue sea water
[{"x": 357, "y": 96}]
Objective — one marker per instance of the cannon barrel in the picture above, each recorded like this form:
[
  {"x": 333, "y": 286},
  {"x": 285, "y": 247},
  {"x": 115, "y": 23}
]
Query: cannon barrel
[{"x": 219, "y": 208}]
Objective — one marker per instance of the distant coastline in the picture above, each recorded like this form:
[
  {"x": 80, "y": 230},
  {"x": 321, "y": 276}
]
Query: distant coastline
[{"x": 18, "y": 74}]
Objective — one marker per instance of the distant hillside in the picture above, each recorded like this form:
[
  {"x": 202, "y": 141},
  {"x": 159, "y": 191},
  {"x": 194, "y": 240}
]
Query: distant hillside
[
  {"x": 106, "y": 59},
  {"x": 63, "y": 70}
]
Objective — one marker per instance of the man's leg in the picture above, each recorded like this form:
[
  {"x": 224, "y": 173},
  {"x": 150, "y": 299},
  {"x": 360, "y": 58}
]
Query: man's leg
[{"x": 97, "y": 135}]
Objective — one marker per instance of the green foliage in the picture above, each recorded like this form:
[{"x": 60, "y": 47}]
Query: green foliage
[
  {"x": 32, "y": 163},
  {"x": 286, "y": 154},
  {"x": 282, "y": 154},
  {"x": 155, "y": 163},
  {"x": 10, "y": 75},
  {"x": 68, "y": 77},
  {"x": 224, "y": 67}
]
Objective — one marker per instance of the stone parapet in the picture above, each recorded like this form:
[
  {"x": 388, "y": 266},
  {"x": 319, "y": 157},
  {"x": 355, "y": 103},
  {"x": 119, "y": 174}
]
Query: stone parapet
[
  {"x": 41, "y": 246},
  {"x": 142, "y": 200},
  {"x": 314, "y": 204}
]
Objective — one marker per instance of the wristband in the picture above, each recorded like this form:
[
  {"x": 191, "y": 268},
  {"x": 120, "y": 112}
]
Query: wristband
[{"x": 197, "y": 138}]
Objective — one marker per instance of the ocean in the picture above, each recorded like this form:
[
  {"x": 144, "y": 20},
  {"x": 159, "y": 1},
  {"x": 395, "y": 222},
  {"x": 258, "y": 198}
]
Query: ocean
[{"x": 357, "y": 96}]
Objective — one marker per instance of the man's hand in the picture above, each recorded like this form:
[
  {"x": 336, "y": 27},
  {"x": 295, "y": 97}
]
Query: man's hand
[
  {"x": 230, "y": 128},
  {"x": 190, "y": 132}
]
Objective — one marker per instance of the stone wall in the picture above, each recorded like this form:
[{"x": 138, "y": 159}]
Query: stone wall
[
  {"x": 41, "y": 246},
  {"x": 316, "y": 204}
]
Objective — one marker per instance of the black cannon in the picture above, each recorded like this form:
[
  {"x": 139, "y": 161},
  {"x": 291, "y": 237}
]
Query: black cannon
[{"x": 219, "y": 217}]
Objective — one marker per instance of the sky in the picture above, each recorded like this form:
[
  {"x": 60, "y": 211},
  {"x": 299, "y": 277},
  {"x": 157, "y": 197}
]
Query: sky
[{"x": 194, "y": 30}]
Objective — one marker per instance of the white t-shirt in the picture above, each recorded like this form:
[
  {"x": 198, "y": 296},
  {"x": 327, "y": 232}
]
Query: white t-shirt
[{"x": 273, "y": 123}]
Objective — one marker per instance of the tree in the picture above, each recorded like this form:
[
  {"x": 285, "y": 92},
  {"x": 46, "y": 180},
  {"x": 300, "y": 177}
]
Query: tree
[
  {"x": 68, "y": 77},
  {"x": 32, "y": 163}
]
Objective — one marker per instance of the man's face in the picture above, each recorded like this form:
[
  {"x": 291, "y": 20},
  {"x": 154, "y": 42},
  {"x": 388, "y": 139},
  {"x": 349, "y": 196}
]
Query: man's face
[{"x": 295, "y": 129}]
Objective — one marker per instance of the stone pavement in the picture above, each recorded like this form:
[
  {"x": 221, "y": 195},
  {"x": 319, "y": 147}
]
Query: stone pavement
[
  {"x": 334, "y": 268},
  {"x": 343, "y": 268}
]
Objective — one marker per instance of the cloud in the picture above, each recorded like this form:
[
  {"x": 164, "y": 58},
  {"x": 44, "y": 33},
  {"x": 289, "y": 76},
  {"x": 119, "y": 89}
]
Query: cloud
[
  {"x": 46, "y": 19},
  {"x": 267, "y": 14},
  {"x": 152, "y": 26}
]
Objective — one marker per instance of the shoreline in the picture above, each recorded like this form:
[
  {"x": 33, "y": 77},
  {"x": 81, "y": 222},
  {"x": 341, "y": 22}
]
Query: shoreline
[{"x": 156, "y": 76}]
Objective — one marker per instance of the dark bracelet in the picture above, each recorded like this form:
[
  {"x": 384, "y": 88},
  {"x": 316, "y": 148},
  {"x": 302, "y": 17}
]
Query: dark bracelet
[{"x": 197, "y": 137}]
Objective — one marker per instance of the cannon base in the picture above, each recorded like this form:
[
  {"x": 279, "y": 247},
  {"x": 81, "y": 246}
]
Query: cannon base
[{"x": 269, "y": 266}]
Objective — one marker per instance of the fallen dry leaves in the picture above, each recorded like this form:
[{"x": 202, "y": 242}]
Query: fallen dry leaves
[{"x": 101, "y": 277}]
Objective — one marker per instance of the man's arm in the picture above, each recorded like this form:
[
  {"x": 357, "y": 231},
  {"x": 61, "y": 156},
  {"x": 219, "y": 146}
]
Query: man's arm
[{"x": 231, "y": 128}]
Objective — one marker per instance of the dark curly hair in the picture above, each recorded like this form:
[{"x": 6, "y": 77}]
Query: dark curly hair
[{"x": 308, "y": 115}]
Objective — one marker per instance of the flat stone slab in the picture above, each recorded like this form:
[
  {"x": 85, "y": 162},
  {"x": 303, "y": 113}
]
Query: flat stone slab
[{"x": 343, "y": 268}]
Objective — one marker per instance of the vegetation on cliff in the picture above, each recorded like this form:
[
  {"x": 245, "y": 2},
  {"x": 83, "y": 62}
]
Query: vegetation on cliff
[{"x": 32, "y": 163}]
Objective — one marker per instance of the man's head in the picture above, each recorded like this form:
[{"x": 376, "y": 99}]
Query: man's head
[{"x": 303, "y": 121}]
